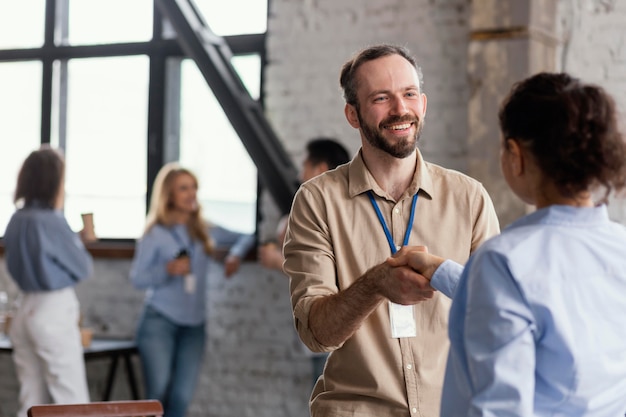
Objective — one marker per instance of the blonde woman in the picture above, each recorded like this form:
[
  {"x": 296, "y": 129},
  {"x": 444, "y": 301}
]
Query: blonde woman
[{"x": 171, "y": 262}]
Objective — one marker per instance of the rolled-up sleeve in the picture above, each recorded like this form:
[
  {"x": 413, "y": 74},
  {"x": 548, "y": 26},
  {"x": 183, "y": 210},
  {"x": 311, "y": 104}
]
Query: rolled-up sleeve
[
  {"x": 309, "y": 262},
  {"x": 238, "y": 244}
]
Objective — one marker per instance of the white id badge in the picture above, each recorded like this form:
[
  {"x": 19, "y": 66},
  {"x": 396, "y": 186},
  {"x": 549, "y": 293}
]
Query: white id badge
[
  {"x": 402, "y": 320},
  {"x": 190, "y": 283}
]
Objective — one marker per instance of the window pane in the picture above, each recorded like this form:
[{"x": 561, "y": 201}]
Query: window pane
[
  {"x": 22, "y": 24},
  {"x": 106, "y": 144},
  {"x": 249, "y": 69},
  {"x": 210, "y": 147},
  {"x": 20, "y": 125},
  {"x": 234, "y": 17},
  {"x": 111, "y": 21}
]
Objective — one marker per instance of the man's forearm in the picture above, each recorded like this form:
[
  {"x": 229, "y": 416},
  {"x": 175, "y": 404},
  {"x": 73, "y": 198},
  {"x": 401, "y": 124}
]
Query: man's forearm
[{"x": 335, "y": 318}]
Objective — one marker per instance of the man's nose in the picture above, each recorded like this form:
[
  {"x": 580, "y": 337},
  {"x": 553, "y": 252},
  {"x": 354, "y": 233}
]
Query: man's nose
[{"x": 398, "y": 106}]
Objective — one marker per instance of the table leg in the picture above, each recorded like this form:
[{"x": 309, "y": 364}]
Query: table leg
[
  {"x": 130, "y": 373},
  {"x": 110, "y": 378}
]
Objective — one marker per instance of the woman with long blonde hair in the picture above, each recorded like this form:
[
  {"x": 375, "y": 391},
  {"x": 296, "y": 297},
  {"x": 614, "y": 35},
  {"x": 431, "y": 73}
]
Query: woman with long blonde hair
[{"x": 171, "y": 262}]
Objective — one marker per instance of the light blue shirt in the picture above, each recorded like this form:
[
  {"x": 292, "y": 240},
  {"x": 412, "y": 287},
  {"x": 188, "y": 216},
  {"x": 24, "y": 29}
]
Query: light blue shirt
[
  {"x": 166, "y": 293},
  {"x": 538, "y": 322},
  {"x": 42, "y": 252}
]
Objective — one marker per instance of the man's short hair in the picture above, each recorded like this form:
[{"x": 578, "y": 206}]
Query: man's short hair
[{"x": 347, "y": 79}]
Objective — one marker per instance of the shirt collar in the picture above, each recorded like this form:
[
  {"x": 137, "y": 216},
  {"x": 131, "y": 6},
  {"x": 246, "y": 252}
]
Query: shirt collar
[
  {"x": 361, "y": 180},
  {"x": 565, "y": 216}
]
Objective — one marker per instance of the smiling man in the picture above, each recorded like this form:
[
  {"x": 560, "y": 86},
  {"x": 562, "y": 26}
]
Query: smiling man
[{"x": 386, "y": 328}]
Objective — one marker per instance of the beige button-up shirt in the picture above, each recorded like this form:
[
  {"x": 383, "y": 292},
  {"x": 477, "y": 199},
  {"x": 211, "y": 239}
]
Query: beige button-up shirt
[{"x": 334, "y": 236}]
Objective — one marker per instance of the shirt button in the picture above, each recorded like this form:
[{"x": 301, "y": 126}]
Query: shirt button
[
  {"x": 396, "y": 210},
  {"x": 409, "y": 366},
  {"x": 414, "y": 410}
]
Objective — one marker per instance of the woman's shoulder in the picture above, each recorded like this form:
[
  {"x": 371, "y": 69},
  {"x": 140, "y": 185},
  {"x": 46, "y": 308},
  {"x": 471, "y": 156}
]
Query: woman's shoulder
[
  {"x": 38, "y": 217},
  {"x": 157, "y": 230}
]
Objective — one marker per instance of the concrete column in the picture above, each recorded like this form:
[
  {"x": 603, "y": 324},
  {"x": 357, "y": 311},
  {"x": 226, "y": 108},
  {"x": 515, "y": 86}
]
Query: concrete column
[{"x": 509, "y": 40}]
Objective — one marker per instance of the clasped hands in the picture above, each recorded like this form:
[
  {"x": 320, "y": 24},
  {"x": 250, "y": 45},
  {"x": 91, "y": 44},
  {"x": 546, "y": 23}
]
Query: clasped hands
[{"x": 407, "y": 280}]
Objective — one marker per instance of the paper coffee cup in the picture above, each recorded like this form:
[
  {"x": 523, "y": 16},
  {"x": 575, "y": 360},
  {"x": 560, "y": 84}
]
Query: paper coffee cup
[{"x": 89, "y": 231}]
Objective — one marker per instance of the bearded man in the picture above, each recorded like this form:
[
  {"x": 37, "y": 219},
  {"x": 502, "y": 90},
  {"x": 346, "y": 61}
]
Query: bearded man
[{"x": 386, "y": 327}]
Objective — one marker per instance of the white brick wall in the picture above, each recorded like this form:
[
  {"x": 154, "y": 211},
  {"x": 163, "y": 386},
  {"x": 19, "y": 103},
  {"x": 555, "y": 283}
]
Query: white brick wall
[
  {"x": 253, "y": 364},
  {"x": 310, "y": 40}
]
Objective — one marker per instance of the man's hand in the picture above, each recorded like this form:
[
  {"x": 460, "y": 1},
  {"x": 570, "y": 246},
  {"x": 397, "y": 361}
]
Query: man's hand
[
  {"x": 418, "y": 259},
  {"x": 333, "y": 319},
  {"x": 271, "y": 256},
  {"x": 403, "y": 285},
  {"x": 231, "y": 265}
]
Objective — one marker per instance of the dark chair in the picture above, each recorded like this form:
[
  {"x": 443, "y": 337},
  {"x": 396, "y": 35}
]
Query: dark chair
[{"x": 136, "y": 408}]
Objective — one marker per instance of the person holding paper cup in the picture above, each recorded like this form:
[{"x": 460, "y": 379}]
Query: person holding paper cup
[
  {"x": 46, "y": 259},
  {"x": 171, "y": 262}
]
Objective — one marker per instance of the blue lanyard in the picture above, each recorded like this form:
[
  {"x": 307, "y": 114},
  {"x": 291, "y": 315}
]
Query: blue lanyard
[
  {"x": 188, "y": 247},
  {"x": 384, "y": 224}
]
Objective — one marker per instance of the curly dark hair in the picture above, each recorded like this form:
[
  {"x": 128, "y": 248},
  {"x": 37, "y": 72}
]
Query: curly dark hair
[
  {"x": 571, "y": 130},
  {"x": 347, "y": 79},
  {"x": 40, "y": 177}
]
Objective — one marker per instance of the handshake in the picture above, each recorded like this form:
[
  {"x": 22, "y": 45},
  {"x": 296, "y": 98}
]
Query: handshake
[{"x": 406, "y": 275}]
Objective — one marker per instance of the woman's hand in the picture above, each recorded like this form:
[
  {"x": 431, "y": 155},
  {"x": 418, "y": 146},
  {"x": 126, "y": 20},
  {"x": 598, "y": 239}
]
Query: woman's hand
[
  {"x": 231, "y": 265},
  {"x": 179, "y": 266}
]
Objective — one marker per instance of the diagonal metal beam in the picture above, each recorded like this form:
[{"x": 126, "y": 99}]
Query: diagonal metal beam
[{"x": 213, "y": 57}]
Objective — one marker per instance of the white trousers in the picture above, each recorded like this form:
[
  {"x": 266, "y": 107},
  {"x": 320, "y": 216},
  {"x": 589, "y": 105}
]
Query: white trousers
[{"x": 47, "y": 349}]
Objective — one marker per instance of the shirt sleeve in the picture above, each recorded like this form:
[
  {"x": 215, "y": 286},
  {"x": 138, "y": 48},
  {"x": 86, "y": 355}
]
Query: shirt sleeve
[
  {"x": 486, "y": 223},
  {"x": 65, "y": 249},
  {"x": 309, "y": 262},
  {"x": 499, "y": 340},
  {"x": 239, "y": 244},
  {"x": 149, "y": 267},
  {"x": 446, "y": 277}
]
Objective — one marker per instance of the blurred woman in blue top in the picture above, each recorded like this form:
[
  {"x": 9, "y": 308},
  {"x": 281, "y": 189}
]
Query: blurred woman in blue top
[
  {"x": 46, "y": 259},
  {"x": 537, "y": 323},
  {"x": 171, "y": 262}
]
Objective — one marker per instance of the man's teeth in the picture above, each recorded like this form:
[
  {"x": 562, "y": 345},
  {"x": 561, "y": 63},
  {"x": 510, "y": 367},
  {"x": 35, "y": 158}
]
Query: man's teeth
[{"x": 400, "y": 127}]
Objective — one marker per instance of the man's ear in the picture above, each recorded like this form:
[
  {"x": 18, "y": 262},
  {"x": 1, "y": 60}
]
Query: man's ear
[
  {"x": 321, "y": 168},
  {"x": 351, "y": 115}
]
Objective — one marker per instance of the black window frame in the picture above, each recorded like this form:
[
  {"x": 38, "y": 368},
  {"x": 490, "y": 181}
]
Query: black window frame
[{"x": 158, "y": 49}]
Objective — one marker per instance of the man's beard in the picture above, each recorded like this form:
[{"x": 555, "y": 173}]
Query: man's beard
[{"x": 400, "y": 149}]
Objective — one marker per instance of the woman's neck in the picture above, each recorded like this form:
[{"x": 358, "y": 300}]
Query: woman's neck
[
  {"x": 550, "y": 196},
  {"x": 179, "y": 217}
]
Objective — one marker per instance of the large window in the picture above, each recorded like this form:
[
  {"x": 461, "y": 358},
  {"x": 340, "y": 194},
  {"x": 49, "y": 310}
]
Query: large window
[
  {"x": 121, "y": 99},
  {"x": 210, "y": 146},
  {"x": 20, "y": 121},
  {"x": 105, "y": 144}
]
